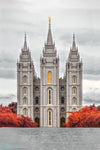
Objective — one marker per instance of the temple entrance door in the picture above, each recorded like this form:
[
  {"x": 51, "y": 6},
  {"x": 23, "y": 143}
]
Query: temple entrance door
[
  {"x": 62, "y": 121},
  {"x": 37, "y": 120}
]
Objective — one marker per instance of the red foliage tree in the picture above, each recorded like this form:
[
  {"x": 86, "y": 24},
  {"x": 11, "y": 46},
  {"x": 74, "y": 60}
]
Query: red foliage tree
[
  {"x": 85, "y": 117},
  {"x": 13, "y": 107},
  {"x": 10, "y": 119}
]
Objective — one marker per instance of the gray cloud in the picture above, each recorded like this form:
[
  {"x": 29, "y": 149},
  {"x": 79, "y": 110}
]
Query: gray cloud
[
  {"x": 85, "y": 37},
  {"x": 8, "y": 73},
  {"x": 91, "y": 101},
  {"x": 7, "y": 98},
  {"x": 91, "y": 68},
  {"x": 92, "y": 97},
  {"x": 7, "y": 65}
]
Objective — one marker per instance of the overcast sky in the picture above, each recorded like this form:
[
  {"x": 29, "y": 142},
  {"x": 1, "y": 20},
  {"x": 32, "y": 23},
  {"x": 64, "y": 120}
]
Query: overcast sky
[{"x": 68, "y": 17}]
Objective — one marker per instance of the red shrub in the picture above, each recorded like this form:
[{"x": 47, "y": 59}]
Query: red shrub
[{"x": 85, "y": 117}]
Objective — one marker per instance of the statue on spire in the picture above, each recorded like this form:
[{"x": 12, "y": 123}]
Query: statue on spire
[{"x": 49, "y": 19}]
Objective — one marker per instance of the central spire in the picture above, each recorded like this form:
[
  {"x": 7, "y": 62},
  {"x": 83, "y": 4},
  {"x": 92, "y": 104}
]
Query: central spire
[
  {"x": 74, "y": 44},
  {"x": 25, "y": 43},
  {"x": 49, "y": 37}
]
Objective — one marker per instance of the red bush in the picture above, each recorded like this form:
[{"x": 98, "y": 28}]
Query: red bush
[{"x": 85, "y": 117}]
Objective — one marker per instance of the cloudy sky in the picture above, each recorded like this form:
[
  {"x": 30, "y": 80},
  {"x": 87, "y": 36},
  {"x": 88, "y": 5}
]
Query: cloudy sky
[{"x": 68, "y": 17}]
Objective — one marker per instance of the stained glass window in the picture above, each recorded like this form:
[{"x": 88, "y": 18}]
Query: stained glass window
[{"x": 49, "y": 77}]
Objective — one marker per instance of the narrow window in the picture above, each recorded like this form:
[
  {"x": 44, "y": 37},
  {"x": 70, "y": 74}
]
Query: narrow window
[
  {"x": 25, "y": 79},
  {"x": 25, "y": 91},
  {"x": 37, "y": 100},
  {"x": 74, "y": 91},
  {"x": 49, "y": 77},
  {"x": 25, "y": 101},
  {"x": 25, "y": 111},
  {"x": 62, "y": 100},
  {"x": 49, "y": 96},
  {"x": 74, "y": 79},
  {"x": 74, "y": 102},
  {"x": 49, "y": 117}
]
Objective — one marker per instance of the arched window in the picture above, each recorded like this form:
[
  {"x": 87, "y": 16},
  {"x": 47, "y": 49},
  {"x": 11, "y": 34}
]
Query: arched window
[
  {"x": 49, "y": 77},
  {"x": 49, "y": 96},
  {"x": 25, "y": 79},
  {"x": 25, "y": 101},
  {"x": 74, "y": 79},
  {"x": 62, "y": 100},
  {"x": 37, "y": 100},
  {"x": 49, "y": 117},
  {"x": 74, "y": 109},
  {"x": 74, "y": 90},
  {"x": 25, "y": 111},
  {"x": 25, "y": 91},
  {"x": 74, "y": 102}
]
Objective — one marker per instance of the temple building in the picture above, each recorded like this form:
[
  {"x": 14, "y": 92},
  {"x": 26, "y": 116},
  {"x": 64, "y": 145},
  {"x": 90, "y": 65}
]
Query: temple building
[{"x": 48, "y": 98}]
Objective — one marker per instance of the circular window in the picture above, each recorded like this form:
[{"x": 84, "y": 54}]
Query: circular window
[
  {"x": 62, "y": 109},
  {"x": 37, "y": 109},
  {"x": 36, "y": 88},
  {"x": 62, "y": 88}
]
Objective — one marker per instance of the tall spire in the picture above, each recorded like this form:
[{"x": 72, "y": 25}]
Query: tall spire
[
  {"x": 73, "y": 37},
  {"x": 25, "y": 43},
  {"x": 74, "y": 44},
  {"x": 49, "y": 37},
  {"x": 73, "y": 55},
  {"x": 25, "y": 55}
]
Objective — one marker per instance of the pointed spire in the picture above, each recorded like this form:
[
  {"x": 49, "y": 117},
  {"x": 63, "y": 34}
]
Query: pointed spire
[
  {"x": 73, "y": 55},
  {"x": 25, "y": 42},
  {"x": 74, "y": 44},
  {"x": 49, "y": 37},
  {"x": 73, "y": 37}
]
